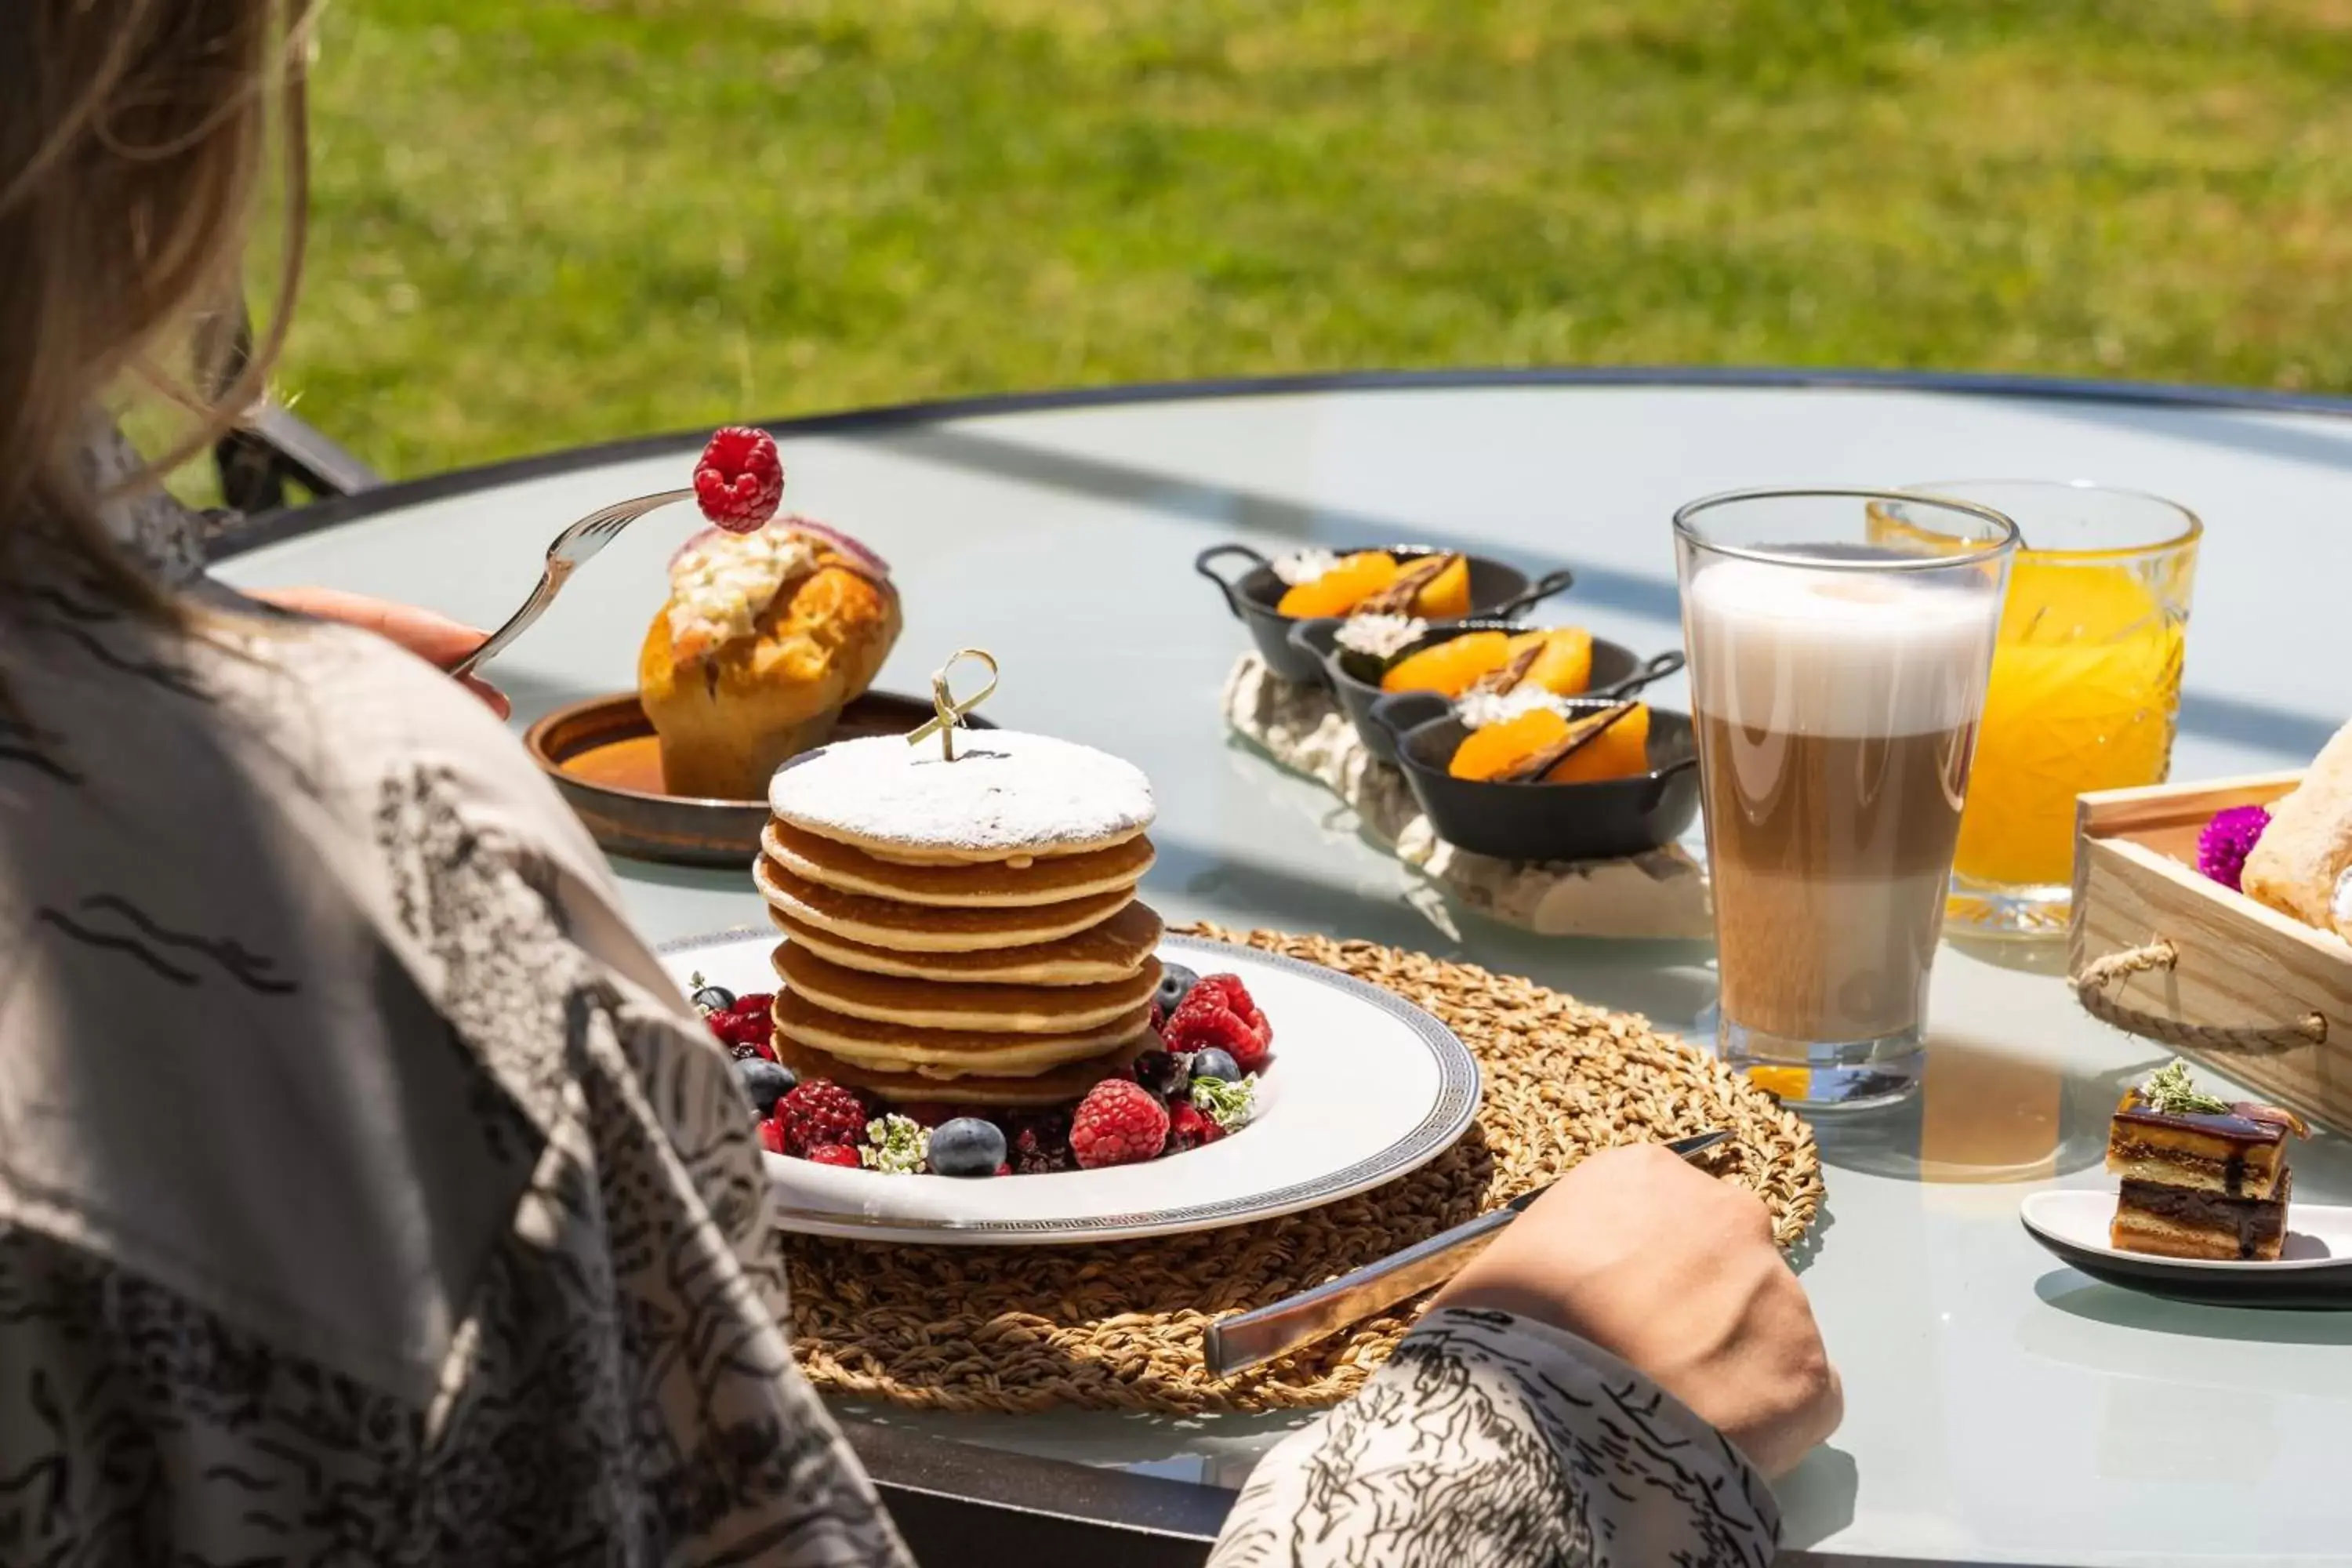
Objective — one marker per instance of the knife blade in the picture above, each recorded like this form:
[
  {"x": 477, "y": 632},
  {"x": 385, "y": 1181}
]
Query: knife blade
[{"x": 1250, "y": 1339}]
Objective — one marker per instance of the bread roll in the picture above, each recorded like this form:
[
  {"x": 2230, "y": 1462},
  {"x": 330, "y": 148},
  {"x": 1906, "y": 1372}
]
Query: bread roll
[
  {"x": 2302, "y": 865},
  {"x": 760, "y": 646}
]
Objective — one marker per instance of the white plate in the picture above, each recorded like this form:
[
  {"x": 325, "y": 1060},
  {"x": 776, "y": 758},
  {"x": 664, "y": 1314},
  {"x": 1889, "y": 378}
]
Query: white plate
[
  {"x": 2314, "y": 1267},
  {"x": 1364, "y": 1087}
]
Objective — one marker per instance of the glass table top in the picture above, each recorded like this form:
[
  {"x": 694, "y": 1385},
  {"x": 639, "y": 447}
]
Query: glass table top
[{"x": 2000, "y": 1407}]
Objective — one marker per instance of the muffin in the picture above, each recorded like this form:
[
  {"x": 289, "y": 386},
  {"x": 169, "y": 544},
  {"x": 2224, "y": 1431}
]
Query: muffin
[{"x": 766, "y": 638}]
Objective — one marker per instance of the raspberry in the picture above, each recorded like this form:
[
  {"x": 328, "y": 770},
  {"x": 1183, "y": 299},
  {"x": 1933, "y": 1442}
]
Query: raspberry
[
  {"x": 746, "y": 1029},
  {"x": 739, "y": 481},
  {"x": 1229, "y": 990},
  {"x": 1119, "y": 1123},
  {"x": 835, "y": 1154},
  {"x": 1187, "y": 1128},
  {"x": 819, "y": 1111},
  {"x": 772, "y": 1136},
  {"x": 1041, "y": 1143},
  {"x": 1204, "y": 1023}
]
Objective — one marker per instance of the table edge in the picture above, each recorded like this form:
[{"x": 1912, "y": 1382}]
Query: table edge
[
  {"x": 276, "y": 528},
  {"x": 945, "y": 1488}
]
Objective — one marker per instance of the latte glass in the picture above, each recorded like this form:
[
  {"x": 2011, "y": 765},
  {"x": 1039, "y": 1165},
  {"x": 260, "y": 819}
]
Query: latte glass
[
  {"x": 2085, "y": 689},
  {"x": 1837, "y": 679}
]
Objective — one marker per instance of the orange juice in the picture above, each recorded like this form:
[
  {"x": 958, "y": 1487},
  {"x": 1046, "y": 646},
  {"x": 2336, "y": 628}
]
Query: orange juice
[{"x": 2085, "y": 683}]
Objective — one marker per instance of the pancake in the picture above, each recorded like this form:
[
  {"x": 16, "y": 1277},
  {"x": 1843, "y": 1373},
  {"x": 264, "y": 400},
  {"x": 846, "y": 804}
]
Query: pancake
[
  {"x": 980, "y": 885},
  {"x": 1005, "y": 794},
  {"x": 1058, "y": 1086},
  {"x": 983, "y": 1009},
  {"x": 945, "y": 1053},
  {"x": 1111, "y": 951},
  {"x": 921, "y": 927}
]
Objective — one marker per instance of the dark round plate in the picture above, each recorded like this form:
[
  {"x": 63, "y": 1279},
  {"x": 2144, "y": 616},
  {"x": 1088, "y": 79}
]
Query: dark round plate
[{"x": 606, "y": 763}]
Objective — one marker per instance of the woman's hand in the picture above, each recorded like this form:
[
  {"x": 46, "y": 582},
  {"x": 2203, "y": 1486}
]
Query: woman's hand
[
  {"x": 1673, "y": 1272},
  {"x": 437, "y": 639}
]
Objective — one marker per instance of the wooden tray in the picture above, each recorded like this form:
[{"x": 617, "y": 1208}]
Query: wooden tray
[
  {"x": 605, "y": 761},
  {"x": 2157, "y": 949}
]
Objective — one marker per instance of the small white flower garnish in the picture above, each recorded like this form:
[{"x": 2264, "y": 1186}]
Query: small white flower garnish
[
  {"x": 1378, "y": 636},
  {"x": 1485, "y": 709},
  {"x": 1229, "y": 1105},
  {"x": 1305, "y": 566}
]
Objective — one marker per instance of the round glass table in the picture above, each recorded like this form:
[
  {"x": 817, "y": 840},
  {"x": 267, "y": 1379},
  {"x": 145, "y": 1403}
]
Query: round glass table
[{"x": 2002, "y": 1407}]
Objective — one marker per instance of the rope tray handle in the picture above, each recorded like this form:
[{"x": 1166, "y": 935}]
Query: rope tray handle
[{"x": 2091, "y": 990}]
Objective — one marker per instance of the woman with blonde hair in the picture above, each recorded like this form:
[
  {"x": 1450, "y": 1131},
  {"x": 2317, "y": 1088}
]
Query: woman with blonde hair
[{"x": 368, "y": 1194}]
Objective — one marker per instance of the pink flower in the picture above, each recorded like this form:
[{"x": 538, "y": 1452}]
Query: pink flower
[{"x": 2222, "y": 848}]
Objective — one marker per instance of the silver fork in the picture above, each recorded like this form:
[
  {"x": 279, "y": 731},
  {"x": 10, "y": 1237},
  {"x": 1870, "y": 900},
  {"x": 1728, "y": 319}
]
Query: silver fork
[{"x": 572, "y": 549}]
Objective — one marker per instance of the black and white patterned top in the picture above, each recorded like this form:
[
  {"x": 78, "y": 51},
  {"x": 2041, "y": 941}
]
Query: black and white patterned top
[{"x": 369, "y": 1195}]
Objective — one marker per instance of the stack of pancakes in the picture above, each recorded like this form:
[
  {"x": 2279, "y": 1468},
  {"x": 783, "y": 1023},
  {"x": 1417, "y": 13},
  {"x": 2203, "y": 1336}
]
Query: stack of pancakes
[{"x": 961, "y": 929}]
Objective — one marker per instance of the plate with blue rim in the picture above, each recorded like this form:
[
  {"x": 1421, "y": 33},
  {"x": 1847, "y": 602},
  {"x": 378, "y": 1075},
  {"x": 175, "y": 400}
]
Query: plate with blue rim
[{"x": 1363, "y": 1088}]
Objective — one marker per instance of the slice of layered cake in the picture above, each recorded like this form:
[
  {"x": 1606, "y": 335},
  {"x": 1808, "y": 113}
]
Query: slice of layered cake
[{"x": 2202, "y": 1177}]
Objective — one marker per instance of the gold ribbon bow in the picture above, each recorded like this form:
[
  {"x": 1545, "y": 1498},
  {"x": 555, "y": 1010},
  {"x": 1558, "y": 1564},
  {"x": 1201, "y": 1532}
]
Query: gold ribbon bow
[{"x": 947, "y": 712}]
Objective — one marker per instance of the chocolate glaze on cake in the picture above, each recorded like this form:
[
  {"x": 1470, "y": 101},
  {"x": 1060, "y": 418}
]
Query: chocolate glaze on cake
[{"x": 2256, "y": 1226}]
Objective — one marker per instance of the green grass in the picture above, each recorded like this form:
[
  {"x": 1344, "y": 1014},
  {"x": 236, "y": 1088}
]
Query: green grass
[{"x": 541, "y": 222}]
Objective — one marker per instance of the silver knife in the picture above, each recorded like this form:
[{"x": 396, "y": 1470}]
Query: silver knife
[{"x": 1236, "y": 1343}]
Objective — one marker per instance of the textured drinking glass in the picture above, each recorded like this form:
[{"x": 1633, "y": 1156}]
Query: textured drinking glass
[
  {"x": 1836, "y": 681},
  {"x": 2086, "y": 687}
]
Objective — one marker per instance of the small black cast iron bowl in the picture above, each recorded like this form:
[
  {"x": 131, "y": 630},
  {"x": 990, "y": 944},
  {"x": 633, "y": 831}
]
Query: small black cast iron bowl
[
  {"x": 1355, "y": 678},
  {"x": 1497, "y": 589},
  {"x": 1595, "y": 821}
]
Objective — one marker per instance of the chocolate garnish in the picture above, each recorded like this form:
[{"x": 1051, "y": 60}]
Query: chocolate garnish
[
  {"x": 1581, "y": 734},
  {"x": 1500, "y": 682},
  {"x": 1399, "y": 596}
]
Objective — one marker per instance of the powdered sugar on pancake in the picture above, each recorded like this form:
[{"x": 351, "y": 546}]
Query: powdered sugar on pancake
[{"x": 1005, "y": 794}]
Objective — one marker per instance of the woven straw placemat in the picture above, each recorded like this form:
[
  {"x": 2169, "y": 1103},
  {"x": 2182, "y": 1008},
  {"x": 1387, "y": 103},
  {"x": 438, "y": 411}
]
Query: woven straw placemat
[{"x": 1117, "y": 1326}]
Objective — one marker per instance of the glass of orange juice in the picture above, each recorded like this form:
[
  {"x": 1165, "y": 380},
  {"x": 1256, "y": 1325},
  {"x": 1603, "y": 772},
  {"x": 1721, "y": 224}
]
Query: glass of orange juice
[{"x": 2085, "y": 685}]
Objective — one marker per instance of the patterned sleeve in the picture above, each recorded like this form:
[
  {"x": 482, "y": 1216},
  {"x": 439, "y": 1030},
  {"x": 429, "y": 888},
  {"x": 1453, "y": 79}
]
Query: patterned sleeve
[{"x": 1491, "y": 1439}]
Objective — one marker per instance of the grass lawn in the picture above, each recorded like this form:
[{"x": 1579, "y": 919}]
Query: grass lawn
[{"x": 547, "y": 221}]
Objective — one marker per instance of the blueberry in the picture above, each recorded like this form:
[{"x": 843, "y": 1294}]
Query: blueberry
[
  {"x": 1176, "y": 983},
  {"x": 1160, "y": 1073},
  {"x": 764, "y": 1083},
  {"x": 713, "y": 999},
  {"x": 1217, "y": 1064},
  {"x": 966, "y": 1146}
]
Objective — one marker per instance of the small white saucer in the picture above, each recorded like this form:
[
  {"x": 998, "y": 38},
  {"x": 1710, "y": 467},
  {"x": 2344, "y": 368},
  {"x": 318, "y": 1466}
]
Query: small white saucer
[{"x": 2314, "y": 1268}]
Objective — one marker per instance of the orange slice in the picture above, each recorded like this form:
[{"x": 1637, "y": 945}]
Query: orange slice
[
  {"x": 1451, "y": 667},
  {"x": 1342, "y": 588},
  {"x": 1445, "y": 596},
  {"x": 1621, "y": 751},
  {"x": 1564, "y": 668}
]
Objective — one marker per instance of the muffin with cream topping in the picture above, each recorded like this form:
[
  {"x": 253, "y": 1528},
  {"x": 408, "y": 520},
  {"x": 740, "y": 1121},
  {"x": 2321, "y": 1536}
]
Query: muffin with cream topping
[{"x": 768, "y": 633}]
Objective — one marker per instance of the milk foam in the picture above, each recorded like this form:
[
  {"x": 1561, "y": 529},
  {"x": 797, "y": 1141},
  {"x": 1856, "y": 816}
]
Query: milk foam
[{"x": 1836, "y": 653}]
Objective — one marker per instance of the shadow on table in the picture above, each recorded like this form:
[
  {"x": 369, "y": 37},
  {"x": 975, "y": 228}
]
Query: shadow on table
[
  {"x": 2079, "y": 1296},
  {"x": 1985, "y": 1114},
  {"x": 2026, "y": 957},
  {"x": 1817, "y": 1496}
]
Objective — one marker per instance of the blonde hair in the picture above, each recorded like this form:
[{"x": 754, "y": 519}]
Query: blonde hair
[{"x": 133, "y": 140}]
